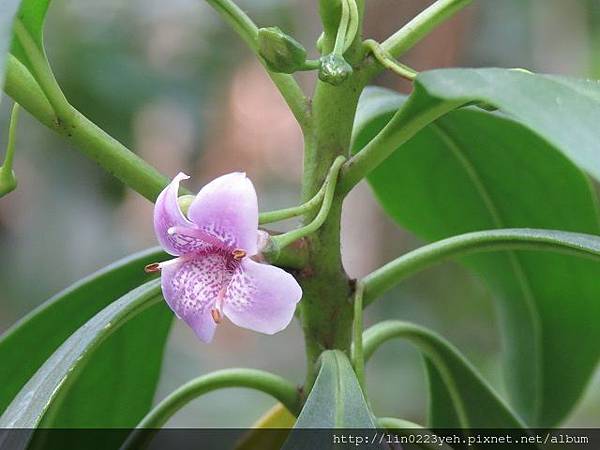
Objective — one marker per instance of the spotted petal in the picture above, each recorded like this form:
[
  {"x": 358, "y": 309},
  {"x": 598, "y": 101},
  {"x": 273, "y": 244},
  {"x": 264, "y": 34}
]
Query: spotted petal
[
  {"x": 228, "y": 208},
  {"x": 192, "y": 287},
  {"x": 168, "y": 215},
  {"x": 261, "y": 297}
]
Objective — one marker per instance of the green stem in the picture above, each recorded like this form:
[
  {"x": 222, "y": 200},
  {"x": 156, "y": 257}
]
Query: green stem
[
  {"x": 114, "y": 157},
  {"x": 326, "y": 308},
  {"x": 387, "y": 61},
  {"x": 295, "y": 211},
  {"x": 41, "y": 70},
  {"x": 8, "y": 180},
  {"x": 358, "y": 360},
  {"x": 87, "y": 137},
  {"x": 353, "y": 24},
  {"x": 340, "y": 40},
  {"x": 406, "y": 122},
  {"x": 288, "y": 238},
  {"x": 421, "y": 25},
  {"x": 248, "y": 31},
  {"x": 274, "y": 385},
  {"x": 10, "y": 147},
  {"x": 386, "y": 277}
]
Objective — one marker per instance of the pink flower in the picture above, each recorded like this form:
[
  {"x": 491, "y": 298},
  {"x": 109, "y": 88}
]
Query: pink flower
[{"x": 214, "y": 274}]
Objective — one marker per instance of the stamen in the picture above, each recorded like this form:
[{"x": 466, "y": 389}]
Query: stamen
[
  {"x": 152, "y": 268},
  {"x": 238, "y": 254},
  {"x": 158, "y": 266},
  {"x": 216, "y": 315}
]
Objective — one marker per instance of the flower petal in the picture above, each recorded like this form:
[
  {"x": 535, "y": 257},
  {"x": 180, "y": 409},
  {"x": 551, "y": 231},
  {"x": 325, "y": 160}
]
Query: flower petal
[
  {"x": 167, "y": 215},
  {"x": 228, "y": 208},
  {"x": 191, "y": 288},
  {"x": 261, "y": 297}
]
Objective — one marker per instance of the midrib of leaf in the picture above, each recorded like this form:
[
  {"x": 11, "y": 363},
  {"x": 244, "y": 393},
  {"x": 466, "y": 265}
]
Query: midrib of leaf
[
  {"x": 515, "y": 262},
  {"x": 339, "y": 392}
]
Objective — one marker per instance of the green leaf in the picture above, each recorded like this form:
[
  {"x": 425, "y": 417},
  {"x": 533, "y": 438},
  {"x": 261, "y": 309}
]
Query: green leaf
[
  {"x": 563, "y": 111},
  {"x": 8, "y": 9},
  {"x": 459, "y": 396},
  {"x": 58, "y": 374},
  {"x": 474, "y": 170},
  {"x": 335, "y": 401},
  {"x": 32, "y": 15},
  {"x": 93, "y": 398}
]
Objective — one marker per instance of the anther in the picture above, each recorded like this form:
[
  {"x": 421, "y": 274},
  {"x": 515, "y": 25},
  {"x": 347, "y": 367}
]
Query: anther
[
  {"x": 238, "y": 254},
  {"x": 152, "y": 268},
  {"x": 216, "y": 315}
]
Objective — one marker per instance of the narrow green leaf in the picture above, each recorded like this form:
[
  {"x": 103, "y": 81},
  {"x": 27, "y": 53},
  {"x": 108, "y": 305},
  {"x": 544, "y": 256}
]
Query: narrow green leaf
[
  {"x": 42, "y": 331},
  {"x": 467, "y": 401},
  {"x": 57, "y": 375},
  {"x": 473, "y": 170},
  {"x": 335, "y": 401},
  {"x": 8, "y": 9}
]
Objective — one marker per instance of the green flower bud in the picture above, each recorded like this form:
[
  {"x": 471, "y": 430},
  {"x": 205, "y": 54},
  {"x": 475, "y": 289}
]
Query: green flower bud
[
  {"x": 281, "y": 52},
  {"x": 334, "y": 69},
  {"x": 185, "y": 201}
]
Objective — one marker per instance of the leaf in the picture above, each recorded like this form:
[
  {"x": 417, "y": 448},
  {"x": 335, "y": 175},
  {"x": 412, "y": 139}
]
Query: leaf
[
  {"x": 473, "y": 170},
  {"x": 466, "y": 400},
  {"x": 8, "y": 9},
  {"x": 59, "y": 373},
  {"x": 335, "y": 401},
  {"x": 563, "y": 111},
  {"x": 103, "y": 395}
]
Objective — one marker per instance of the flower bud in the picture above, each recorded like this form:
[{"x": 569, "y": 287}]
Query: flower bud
[
  {"x": 334, "y": 69},
  {"x": 281, "y": 52},
  {"x": 184, "y": 203}
]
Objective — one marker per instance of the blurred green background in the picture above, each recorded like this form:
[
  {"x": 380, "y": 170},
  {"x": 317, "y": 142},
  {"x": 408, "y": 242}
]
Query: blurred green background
[{"x": 173, "y": 83}]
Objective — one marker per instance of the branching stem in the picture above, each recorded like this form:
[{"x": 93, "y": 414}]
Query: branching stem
[
  {"x": 386, "y": 277},
  {"x": 286, "y": 239},
  {"x": 421, "y": 25},
  {"x": 388, "y": 61},
  {"x": 295, "y": 211},
  {"x": 274, "y": 385},
  {"x": 41, "y": 70},
  {"x": 10, "y": 147},
  {"x": 248, "y": 31},
  {"x": 358, "y": 360}
]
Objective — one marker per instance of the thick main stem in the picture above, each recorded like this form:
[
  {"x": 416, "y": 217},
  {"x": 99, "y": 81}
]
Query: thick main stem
[{"x": 326, "y": 309}]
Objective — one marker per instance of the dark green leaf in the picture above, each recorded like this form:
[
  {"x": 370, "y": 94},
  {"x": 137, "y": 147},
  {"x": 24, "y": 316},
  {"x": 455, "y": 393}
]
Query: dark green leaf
[
  {"x": 91, "y": 403},
  {"x": 460, "y": 397},
  {"x": 335, "y": 401},
  {"x": 59, "y": 373},
  {"x": 474, "y": 170}
]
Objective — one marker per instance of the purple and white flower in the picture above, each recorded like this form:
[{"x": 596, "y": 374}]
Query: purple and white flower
[{"x": 213, "y": 274}]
